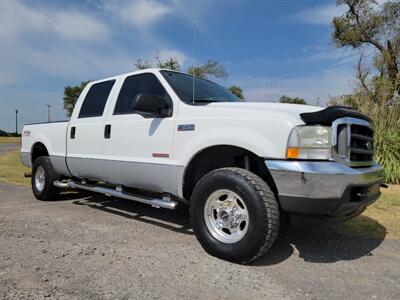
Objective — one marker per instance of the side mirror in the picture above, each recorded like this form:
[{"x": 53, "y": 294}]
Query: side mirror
[{"x": 151, "y": 106}]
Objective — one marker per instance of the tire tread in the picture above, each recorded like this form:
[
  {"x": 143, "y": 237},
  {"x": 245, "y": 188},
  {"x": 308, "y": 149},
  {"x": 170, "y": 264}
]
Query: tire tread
[
  {"x": 271, "y": 208},
  {"x": 271, "y": 211},
  {"x": 50, "y": 191}
]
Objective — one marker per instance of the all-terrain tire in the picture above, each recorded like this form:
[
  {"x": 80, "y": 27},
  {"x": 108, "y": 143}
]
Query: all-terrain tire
[
  {"x": 48, "y": 191},
  {"x": 262, "y": 207}
]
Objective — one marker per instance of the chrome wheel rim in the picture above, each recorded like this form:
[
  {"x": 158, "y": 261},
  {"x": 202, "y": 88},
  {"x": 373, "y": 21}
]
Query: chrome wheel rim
[
  {"x": 226, "y": 216},
  {"x": 40, "y": 178}
]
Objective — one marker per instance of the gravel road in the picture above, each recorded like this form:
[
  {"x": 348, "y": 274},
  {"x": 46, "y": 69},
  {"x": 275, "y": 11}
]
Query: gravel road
[
  {"x": 87, "y": 246},
  {"x": 8, "y": 147}
]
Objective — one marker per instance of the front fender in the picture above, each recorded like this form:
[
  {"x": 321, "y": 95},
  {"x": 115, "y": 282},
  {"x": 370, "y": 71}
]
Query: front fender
[{"x": 250, "y": 140}]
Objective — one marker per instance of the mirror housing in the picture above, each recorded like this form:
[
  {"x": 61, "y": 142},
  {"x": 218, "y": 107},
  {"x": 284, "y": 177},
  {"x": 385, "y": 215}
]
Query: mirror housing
[{"x": 151, "y": 106}]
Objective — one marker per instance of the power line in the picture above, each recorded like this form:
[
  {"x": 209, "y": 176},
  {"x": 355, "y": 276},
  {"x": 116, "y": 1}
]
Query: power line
[{"x": 16, "y": 121}]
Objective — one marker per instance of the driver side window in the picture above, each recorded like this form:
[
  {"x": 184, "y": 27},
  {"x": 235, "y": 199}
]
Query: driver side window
[{"x": 134, "y": 85}]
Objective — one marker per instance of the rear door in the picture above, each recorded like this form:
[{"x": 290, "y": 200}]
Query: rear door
[
  {"x": 85, "y": 132},
  {"x": 137, "y": 149}
]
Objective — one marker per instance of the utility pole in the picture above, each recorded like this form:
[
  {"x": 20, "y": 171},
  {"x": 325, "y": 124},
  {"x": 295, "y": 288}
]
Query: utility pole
[
  {"x": 16, "y": 121},
  {"x": 48, "y": 112}
]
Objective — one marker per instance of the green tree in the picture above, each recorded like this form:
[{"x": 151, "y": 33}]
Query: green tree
[
  {"x": 384, "y": 109},
  {"x": 367, "y": 24},
  {"x": 237, "y": 91},
  {"x": 3, "y": 133},
  {"x": 141, "y": 64},
  {"x": 296, "y": 100},
  {"x": 71, "y": 95},
  {"x": 208, "y": 70},
  {"x": 345, "y": 100},
  {"x": 170, "y": 64}
]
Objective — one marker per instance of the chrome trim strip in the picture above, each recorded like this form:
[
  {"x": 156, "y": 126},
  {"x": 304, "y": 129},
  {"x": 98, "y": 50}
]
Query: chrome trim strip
[
  {"x": 320, "y": 167},
  {"x": 60, "y": 184},
  {"x": 124, "y": 161},
  {"x": 25, "y": 158},
  {"x": 323, "y": 180},
  {"x": 168, "y": 204},
  {"x": 348, "y": 121},
  {"x": 155, "y": 177}
]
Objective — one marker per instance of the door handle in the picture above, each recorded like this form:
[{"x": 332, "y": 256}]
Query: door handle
[
  {"x": 107, "y": 131},
  {"x": 72, "y": 132}
]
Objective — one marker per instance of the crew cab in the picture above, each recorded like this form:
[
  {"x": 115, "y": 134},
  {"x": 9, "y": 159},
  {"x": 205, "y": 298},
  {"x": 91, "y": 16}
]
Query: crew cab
[{"x": 164, "y": 138}]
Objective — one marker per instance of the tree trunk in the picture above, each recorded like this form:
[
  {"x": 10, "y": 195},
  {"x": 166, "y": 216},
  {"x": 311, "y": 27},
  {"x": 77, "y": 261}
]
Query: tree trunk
[{"x": 393, "y": 70}]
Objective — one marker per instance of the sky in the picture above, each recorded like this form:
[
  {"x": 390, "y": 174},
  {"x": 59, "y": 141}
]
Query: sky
[{"x": 269, "y": 48}]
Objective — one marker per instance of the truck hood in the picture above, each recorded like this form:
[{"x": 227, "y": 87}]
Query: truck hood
[
  {"x": 262, "y": 128},
  {"x": 262, "y": 107}
]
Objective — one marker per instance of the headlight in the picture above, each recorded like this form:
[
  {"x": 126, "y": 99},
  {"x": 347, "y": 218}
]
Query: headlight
[{"x": 310, "y": 142}]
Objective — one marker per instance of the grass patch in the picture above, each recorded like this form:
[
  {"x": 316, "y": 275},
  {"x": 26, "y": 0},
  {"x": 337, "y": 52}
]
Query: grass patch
[
  {"x": 12, "y": 170},
  {"x": 10, "y": 140}
]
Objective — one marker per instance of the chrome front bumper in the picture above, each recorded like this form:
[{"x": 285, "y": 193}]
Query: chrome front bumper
[{"x": 325, "y": 188}]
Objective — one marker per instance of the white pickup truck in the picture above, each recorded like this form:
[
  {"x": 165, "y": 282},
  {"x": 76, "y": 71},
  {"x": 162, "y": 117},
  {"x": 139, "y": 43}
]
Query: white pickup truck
[{"x": 162, "y": 137}]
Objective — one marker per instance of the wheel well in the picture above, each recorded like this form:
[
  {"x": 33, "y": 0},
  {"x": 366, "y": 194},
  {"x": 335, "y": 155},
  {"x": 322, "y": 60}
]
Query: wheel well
[
  {"x": 223, "y": 156},
  {"x": 38, "y": 150}
]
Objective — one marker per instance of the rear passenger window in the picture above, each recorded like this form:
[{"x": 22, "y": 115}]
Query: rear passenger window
[
  {"x": 138, "y": 84},
  {"x": 96, "y": 99}
]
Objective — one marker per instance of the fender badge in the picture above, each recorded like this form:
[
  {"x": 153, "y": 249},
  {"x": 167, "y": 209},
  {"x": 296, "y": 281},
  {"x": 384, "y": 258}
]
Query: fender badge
[
  {"x": 164, "y": 155},
  {"x": 186, "y": 127}
]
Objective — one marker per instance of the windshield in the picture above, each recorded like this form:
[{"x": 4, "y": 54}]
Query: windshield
[{"x": 205, "y": 91}]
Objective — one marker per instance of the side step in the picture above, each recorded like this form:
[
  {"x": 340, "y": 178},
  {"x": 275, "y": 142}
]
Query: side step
[{"x": 119, "y": 193}]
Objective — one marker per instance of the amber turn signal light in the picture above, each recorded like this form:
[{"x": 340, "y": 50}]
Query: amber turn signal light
[{"x": 292, "y": 153}]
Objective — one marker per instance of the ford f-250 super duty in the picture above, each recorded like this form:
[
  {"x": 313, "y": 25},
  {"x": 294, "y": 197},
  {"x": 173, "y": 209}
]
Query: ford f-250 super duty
[{"x": 162, "y": 137}]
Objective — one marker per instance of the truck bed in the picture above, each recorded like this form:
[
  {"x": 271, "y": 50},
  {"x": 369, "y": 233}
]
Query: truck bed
[{"x": 53, "y": 135}]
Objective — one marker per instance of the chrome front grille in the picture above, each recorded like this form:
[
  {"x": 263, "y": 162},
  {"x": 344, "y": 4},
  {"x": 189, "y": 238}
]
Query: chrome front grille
[{"x": 353, "y": 141}]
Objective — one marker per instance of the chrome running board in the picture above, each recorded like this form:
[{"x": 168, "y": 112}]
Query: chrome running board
[
  {"x": 61, "y": 184},
  {"x": 118, "y": 192}
]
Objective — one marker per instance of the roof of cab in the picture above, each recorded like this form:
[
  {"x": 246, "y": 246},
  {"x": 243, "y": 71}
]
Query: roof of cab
[{"x": 151, "y": 70}]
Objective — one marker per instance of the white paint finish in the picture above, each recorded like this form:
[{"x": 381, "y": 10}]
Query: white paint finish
[
  {"x": 134, "y": 139},
  {"x": 86, "y": 144},
  {"x": 262, "y": 128},
  {"x": 89, "y": 135},
  {"x": 51, "y": 135}
]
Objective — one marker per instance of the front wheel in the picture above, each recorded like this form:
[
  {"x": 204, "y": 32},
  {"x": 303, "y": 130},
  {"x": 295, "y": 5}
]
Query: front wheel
[
  {"x": 43, "y": 177},
  {"x": 234, "y": 215}
]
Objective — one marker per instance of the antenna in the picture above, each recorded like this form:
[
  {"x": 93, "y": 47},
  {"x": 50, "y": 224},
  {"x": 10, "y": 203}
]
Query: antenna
[{"x": 194, "y": 41}]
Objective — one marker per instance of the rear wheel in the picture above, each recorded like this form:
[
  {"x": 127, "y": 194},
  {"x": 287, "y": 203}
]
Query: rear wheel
[
  {"x": 234, "y": 214},
  {"x": 43, "y": 176}
]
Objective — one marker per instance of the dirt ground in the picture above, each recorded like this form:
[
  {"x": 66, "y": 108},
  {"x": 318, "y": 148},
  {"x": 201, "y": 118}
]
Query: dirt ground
[{"x": 87, "y": 246}]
